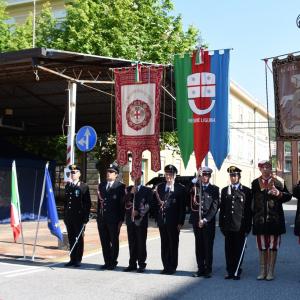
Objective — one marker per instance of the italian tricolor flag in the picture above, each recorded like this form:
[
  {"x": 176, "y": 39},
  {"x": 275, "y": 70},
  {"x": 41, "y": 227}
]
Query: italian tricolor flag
[
  {"x": 15, "y": 220},
  {"x": 202, "y": 87}
]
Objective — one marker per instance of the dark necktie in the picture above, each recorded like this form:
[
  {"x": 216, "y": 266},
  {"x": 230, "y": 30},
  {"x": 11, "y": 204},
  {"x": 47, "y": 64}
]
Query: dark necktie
[{"x": 108, "y": 187}]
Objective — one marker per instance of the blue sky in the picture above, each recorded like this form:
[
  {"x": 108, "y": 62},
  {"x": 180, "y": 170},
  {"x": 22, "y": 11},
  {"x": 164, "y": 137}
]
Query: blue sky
[{"x": 254, "y": 29}]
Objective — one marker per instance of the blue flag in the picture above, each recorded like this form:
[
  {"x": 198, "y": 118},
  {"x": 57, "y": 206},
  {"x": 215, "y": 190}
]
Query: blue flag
[
  {"x": 53, "y": 223},
  {"x": 219, "y": 137}
]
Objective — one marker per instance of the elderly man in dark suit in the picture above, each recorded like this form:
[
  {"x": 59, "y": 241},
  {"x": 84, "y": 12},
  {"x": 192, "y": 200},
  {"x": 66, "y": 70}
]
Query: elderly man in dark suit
[
  {"x": 204, "y": 207},
  {"x": 137, "y": 203},
  {"x": 110, "y": 216},
  {"x": 169, "y": 199}
]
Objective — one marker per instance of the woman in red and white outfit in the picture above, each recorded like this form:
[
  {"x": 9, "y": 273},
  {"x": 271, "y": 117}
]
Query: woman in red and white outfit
[{"x": 268, "y": 217}]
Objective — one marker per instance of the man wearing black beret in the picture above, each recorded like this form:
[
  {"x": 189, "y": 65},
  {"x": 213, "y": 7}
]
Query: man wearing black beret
[
  {"x": 76, "y": 213},
  {"x": 169, "y": 200},
  {"x": 110, "y": 216},
  {"x": 235, "y": 221}
]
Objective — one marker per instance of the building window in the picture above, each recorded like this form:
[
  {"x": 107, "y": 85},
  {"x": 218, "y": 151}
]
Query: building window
[
  {"x": 250, "y": 150},
  {"x": 59, "y": 14},
  {"x": 287, "y": 157},
  {"x": 10, "y": 21},
  {"x": 233, "y": 144},
  {"x": 162, "y": 163},
  {"x": 145, "y": 171},
  {"x": 240, "y": 112},
  {"x": 240, "y": 148},
  {"x": 178, "y": 166},
  {"x": 299, "y": 159},
  {"x": 250, "y": 118},
  {"x": 262, "y": 151}
]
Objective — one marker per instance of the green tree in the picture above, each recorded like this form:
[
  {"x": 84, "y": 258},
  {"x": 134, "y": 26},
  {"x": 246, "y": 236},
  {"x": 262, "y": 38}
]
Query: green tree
[
  {"x": 131, "y": 29},
  {"x": 4, "y": 28}
]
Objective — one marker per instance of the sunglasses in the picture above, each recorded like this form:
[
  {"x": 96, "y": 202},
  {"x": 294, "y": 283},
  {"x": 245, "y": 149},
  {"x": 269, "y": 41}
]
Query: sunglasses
[{"x": 74, "y": 172}]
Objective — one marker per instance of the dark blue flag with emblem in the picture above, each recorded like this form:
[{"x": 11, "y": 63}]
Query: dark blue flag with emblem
[{"x": 53, "y": 222}]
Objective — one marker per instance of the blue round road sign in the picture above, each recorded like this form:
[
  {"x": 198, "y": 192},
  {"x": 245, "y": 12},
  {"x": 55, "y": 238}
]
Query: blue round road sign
[{"x": 86, "y": 138}]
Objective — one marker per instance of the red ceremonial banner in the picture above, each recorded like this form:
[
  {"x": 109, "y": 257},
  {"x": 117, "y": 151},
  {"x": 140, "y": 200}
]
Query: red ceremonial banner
[
  {"x": 286, "y": 77},
  {"x": 137, "y": 115}
]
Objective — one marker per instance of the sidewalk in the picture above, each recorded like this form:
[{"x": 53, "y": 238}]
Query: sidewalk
[{"x": 47, "y": 245}]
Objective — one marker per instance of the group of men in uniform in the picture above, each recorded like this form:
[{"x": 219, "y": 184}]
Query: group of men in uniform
[{"x": 241, "y": 209}]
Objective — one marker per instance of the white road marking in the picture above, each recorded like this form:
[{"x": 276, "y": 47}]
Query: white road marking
[
  {"x": 30, "y": 270},
  {"x": 15, "y": 271}
]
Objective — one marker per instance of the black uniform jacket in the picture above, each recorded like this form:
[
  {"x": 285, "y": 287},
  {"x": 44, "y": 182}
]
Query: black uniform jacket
[
  {"x": 142, "y": 202},
  {"x": 169, "y": 208},
  {"x": 77, "y": 202},
  {"x": 296, "y": 193},
  {"x": 111, "y": 208},
  {"x": 268, "y": 216},
  {"x": 235, "y": 209},
  {"x": 209, "y": 204}
]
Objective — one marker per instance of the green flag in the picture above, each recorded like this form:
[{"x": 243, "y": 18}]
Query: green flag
[
  {"x": 183, "y": 68},
  {"x": 15, "y": 204}
]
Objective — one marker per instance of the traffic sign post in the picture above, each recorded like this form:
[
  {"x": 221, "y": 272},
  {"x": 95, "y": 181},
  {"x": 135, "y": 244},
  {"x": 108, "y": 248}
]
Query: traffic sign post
[{"x": 86, "y": 138}]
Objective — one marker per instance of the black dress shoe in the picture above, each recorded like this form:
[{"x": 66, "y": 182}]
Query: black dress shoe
[
  {"x": 170, "y": 272},
  {"x": 77, "y": 264},
  {"x": 70, "y": 263},
  {"x": 198, "y": 274},
  {"x": 103, "y": 267},
  {"x": 238, "y": 277},
  {"x": 129, "y": 269},
  {"x": 228, "y": 276},
  {"x": 207, "y": 275},
  {"x": 111, "y": 267},
  {"x": 140, "y": 270},
  {"x": 163, "y": 271}
]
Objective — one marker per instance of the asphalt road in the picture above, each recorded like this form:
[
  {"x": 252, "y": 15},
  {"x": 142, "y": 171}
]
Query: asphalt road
[{"x": 19, "y": 280}]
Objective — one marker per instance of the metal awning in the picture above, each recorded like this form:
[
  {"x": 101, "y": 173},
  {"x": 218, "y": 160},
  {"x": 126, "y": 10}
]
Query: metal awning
[{"x": 34, "y": 92}]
